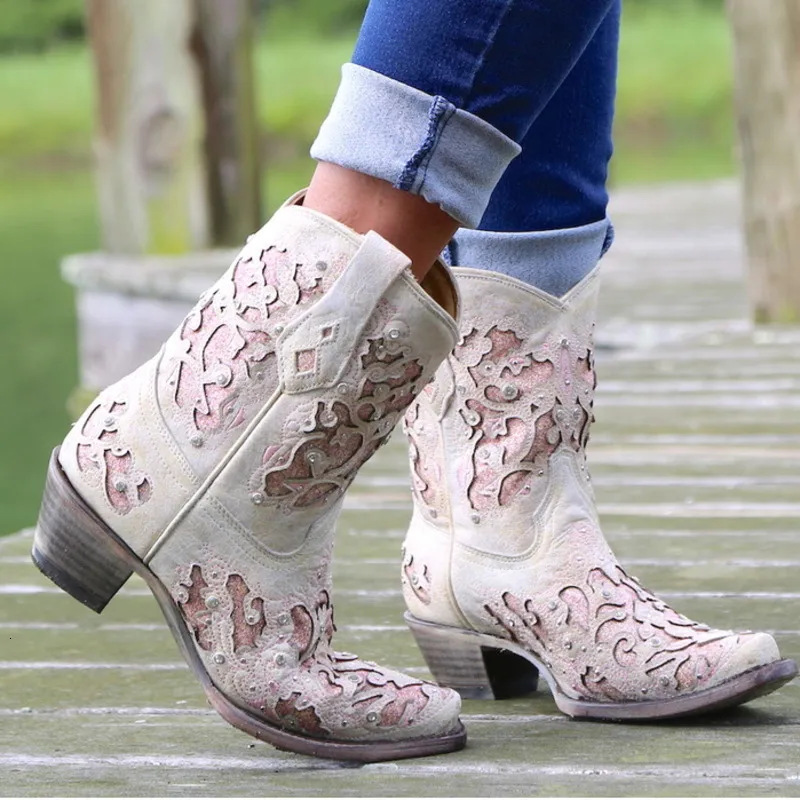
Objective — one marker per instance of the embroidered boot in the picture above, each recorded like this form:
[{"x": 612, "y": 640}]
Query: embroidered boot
[
  {"x": 216, "y": 472},
  {"x": 506, "y": 573}
]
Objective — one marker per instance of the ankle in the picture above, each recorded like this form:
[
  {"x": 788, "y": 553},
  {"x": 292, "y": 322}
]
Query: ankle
[{"x": 417, "y": 228}]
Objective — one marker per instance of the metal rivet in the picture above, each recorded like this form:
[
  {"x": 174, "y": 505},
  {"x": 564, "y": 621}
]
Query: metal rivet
[
  {"x": 219, "y": 658},
  {"x": 552, "y": 605},
  {"x": 283, "y": 619},
  {"x": 565, "y": 342},
  {"x": 342, "y": 388},
  {"x": 322, "y": 266},
  {"x": 394, "y": 333},
  {"x": 655, "y": 643},
  {"x": 354, "y": 678},
  {"x": 415, "y": 580},
  {"x": 212, "y": 601},
  {"x": 221, "y": 379},
  {"x": 664, "y": 680},
  {"x": 279, "y": 329},
  {"x": 252, "y": 619},
  {"x": 120, "y": 485},
  {"x": 541, "y": 472},
  {"x": 109, "y": 420},
  {"x": 257, "y": 498},
  {"x": 280, "y": 659},
  {"x": 476, "y": 518},
  {"x": 567, "y": 644},
  {"x": 196, "y": 440},
  {"x": 510, "y": 391},
  {"x": 606, "y": 593},
  {"x": 372, "y": 717}
]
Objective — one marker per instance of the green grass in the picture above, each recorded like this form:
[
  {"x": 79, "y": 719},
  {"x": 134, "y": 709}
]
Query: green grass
[{"x": 674, "y": 122}]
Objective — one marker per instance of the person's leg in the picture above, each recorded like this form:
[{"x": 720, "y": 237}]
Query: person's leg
[
  {"x": 442, "y": 120},
  {"x": 217, "y": 469},
  {"x": 546, "y": 220},
  {"x": 506, "y": 571}
]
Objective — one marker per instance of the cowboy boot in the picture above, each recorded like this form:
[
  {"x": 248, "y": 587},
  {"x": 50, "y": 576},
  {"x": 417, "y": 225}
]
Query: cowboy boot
[
  {"x": 216, "y": 472},
  {"x": 506, "y": 573}
]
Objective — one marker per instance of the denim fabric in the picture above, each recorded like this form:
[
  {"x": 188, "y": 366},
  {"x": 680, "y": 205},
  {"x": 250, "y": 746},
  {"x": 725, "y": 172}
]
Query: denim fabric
[
  {"x": 557, "y": 186},
  {"x": 415, "y": 141},
  {"x": 541, "y": 73},
  {"x": 553, "y": 261},
  {"x": 559, "y": 180}
]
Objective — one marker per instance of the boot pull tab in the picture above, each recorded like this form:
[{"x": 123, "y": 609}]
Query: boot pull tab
[{"x": 313, "y": 350}]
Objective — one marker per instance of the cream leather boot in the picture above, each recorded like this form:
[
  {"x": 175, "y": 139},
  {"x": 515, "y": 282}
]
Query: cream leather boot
[
  {"x": 506, "y": 573},
  {"x": 216, "y": 471}
]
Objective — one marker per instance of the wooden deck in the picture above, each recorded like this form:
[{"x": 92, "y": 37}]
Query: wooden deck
[{"x": 696, "y": 460}]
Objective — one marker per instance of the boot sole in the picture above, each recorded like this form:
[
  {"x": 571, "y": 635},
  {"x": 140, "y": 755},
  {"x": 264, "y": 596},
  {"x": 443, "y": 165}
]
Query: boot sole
[
  {"x": 78, "y": 552},
  {"x": 482, "y": 667}
]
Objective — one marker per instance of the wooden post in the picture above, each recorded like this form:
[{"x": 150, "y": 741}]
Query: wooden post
[
  {"x": 177, "y": 172},
  {"x": 224, "y": 50},
  {"x": 767, "y": 71},
  {"x": 151, "y": 176}
]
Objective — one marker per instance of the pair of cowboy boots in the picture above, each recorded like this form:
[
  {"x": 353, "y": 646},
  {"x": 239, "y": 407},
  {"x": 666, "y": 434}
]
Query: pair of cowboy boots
[{"x": 216, "y": 471}]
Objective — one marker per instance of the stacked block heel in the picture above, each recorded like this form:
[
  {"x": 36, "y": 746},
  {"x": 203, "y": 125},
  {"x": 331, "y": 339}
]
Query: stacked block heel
[
  {"x": 74, "y": 548},
  {"x": 461, "y": 660}
]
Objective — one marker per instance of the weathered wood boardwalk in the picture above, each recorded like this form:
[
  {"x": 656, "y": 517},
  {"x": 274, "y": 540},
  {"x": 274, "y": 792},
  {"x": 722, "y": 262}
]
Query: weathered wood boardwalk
[{"x": 696, "y": 460}]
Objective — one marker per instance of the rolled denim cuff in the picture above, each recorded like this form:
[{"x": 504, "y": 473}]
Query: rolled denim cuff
[
  {"x": 553, "y": 261},
  {"x": 415, "y": 141}
]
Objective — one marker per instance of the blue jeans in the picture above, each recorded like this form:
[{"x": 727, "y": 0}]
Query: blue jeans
[{"x": 499, "y": 111}]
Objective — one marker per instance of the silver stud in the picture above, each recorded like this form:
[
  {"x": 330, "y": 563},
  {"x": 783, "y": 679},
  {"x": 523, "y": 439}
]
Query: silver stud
[
  {"x": 644, "y": 691},
  {"x": 606, "y": 594},
  {"x": 394, "y": 333},
  {"x": 219, "y": 658},
  {"x": 510, "y": 391},
  {"x": 565, "y": 342},
  {"x": 372, "y": 717},
  {"x": 283, "y": 619},
  {"x": 251, "y": 619},
  {"x": 109, "y": 421},
  {"x": 222, "y": 379},
  {"x": 567, "y": 382},
  {"x": 664, "y": 680},
  {"x": 212, "y": 601},
  {"x": 476, "y": 518},
  {"x": 322, "y": 266},
  {"x": 120, "y": 485},
  {"x": 196, "y": 440},
  {"x": 279, "y": 329},
  {"x": 655, "y": 643},
  {"x": 583, "y": 649},
  {"x": 415, "y": 580},
  {"x": 354, "y": 678},
  {"x": 541, "y": 472},
  {"x": 567, "y": 644},
  {"x": 280, "y": 659},
  {"x": 342, "y": 388},
  {"x": 215, "y": 574},
  {"x": 552, "y": 605},
  {"x": 511, "y": 623},
  {"x": 257, "y": 498}
]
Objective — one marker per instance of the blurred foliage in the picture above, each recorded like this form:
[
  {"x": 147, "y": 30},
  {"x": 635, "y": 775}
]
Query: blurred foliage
[{"x": 27, "y": 25}]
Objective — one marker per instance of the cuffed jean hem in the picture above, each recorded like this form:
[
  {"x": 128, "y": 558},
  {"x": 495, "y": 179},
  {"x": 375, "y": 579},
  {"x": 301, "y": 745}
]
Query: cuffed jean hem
[
  {"x": 415, "y": 141},
  {"x": 553, "y": 261}
]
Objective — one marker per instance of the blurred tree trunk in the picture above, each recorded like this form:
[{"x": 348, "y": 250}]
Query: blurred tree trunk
[
  {"x": 175, "y": 139},
  {"x": 767, "y": 72},
  {"x": 224, "y": 51}
]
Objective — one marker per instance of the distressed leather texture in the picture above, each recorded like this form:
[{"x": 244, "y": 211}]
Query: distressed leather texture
[
  {"x": 505, "y": 538},
  {"x": 222, "y": 463}
]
